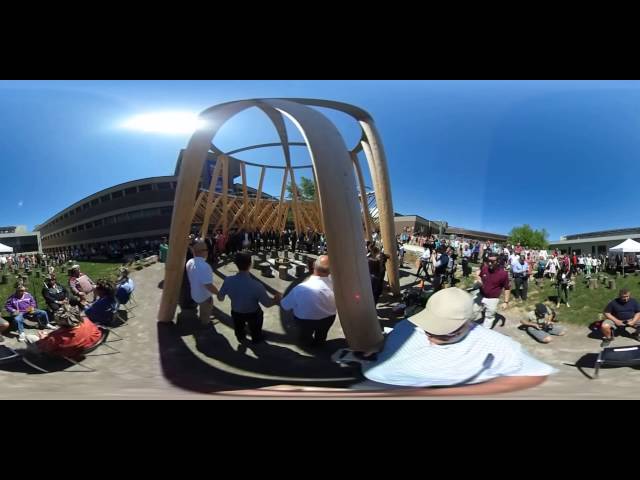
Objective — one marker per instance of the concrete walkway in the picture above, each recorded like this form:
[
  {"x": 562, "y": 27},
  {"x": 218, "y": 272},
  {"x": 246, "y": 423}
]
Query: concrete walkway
[{"x": 183, "y": 360}]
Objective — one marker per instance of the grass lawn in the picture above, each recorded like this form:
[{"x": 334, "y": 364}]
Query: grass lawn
[
  {"x": 586, "y": 304},
  {"x": 35, "y": 284}
]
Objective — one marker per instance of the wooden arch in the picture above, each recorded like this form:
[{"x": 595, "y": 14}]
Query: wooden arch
[{"x": 337, "y": 208}]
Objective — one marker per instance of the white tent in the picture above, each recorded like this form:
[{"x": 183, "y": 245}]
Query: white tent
[
  {"x": 5, "y": 249},
  {"x": 628, "y": 246}
]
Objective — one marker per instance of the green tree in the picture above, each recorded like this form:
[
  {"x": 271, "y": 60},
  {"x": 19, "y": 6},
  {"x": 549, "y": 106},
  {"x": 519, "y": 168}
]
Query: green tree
[
  {"x": 306, "y": 189},
  {"x": 527, "y": 236}
]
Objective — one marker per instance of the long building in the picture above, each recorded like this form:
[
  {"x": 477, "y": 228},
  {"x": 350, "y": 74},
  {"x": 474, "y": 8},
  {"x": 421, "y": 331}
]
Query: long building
[
  {"x": 139, "y": 209},
  {"x": 595, "y": 243},
  {"x": 21, "y": 240}
]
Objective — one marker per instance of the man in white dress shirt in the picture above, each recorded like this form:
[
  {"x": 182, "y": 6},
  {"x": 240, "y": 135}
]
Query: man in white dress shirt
[
  {"x": 201, "y": 281},
  {"x": 313, "y": 304}
]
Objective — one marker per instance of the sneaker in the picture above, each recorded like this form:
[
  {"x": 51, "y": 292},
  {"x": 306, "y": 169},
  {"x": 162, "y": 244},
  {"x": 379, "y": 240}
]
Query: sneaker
[
  {"x": 50, "y": 326},
  {"x": 21, "y": 337},
  {"x": 606, "y": 341},
  {"x": 568, "y": 305}
]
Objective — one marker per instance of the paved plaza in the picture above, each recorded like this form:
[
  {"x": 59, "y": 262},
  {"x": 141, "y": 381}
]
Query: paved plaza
[{"x": 184, "y": 360}]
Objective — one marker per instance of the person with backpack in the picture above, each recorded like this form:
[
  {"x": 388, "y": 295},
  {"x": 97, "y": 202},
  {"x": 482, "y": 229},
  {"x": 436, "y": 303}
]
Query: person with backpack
[
  {"x": 540, "y": 324},
  {"x": 440, "y": 268}
]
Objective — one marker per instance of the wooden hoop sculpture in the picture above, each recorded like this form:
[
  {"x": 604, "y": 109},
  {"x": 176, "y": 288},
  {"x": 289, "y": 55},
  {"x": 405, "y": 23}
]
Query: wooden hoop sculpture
[{"x": 337, "y": 210}]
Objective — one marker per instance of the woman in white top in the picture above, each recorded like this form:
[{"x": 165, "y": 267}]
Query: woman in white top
[{"x": 552, "y": 267}]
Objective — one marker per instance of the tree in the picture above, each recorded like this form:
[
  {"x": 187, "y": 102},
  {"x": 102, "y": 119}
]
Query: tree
[
  {"x": 306, "y": 189},
  {"x": 527, "y": 236}
]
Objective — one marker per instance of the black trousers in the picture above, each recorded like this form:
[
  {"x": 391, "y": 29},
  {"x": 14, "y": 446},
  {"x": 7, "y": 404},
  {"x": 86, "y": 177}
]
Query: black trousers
[
  {"x": 314, "y": 332},
  {"x": 254, "y": 320},
  {"x": 522, "y": 285}
]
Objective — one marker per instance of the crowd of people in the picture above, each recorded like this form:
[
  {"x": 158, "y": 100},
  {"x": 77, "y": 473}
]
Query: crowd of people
[{"x": 97, "y": 302}]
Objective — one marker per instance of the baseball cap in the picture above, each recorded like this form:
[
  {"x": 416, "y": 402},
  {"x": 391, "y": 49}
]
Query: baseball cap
[{"x": 445, "y": 312}]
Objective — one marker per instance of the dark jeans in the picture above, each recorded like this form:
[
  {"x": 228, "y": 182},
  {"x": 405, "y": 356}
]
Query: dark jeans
[
  {"x": 466, "y": 270},
  {"x": 314, "y": 332},
  {"x": 522, "y": 285},
  {"x": 424, "y": 266},
  {"x": 240, "y": 320}
]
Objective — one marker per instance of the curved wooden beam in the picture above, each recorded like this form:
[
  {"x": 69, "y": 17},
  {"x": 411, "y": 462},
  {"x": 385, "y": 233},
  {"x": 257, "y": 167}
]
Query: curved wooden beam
[{"x": 336, "y": 183}]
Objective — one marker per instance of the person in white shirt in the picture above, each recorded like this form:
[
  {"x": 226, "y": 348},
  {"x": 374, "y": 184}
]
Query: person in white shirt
[
  {"x": 443, "y": 347},
  {"x": 424, "y": 262},
  {"x": 313, "y": 304},
  {"x": 201, "y": 280}
]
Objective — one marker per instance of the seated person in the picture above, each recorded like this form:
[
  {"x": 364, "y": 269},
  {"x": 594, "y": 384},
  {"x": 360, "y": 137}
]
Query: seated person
[
  {"x": 620, "y": 313},
  {"x": 55, "y": 295},
  {"x": 102, "y": 310},
  {"x": 80, "y": 284},
  {"x": 124, "y": 287},
  {"x": 75, "y": 334},
  {"x": 443, "y": 347},
  {"x": 540, "y": 324},
  {"x": 21, "y": 305}
]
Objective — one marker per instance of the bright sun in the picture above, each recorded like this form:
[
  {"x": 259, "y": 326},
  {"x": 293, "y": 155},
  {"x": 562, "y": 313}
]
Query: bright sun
[{"x": 164, "y": 122}]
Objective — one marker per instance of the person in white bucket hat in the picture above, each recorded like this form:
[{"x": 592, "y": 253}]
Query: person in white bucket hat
[{"x": 442, "y": 346}]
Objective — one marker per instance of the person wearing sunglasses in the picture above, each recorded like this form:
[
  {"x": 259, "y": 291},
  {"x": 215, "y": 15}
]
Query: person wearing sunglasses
[{"x": 442, "y": 346}]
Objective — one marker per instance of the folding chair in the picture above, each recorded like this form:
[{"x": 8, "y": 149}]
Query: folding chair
[
  {"x": 628, "y": 356},
  {"x": 29, "y": 359}
]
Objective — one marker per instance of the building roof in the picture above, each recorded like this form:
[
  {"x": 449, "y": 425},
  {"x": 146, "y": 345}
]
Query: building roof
[
  {"x": 604, "y": 233},
  {"x": 476, "y": 233},
  {"x": 611, "y": 238},
  {"x": 120, "y": 186}
]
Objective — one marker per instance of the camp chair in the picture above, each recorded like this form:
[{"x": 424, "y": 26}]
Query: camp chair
[
  {"x": 628, "y": 356},
  {"x": 29, "y": 358}
]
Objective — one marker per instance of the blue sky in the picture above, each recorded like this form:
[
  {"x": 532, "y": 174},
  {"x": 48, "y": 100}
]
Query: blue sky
[{"x": 485, "y": 155}]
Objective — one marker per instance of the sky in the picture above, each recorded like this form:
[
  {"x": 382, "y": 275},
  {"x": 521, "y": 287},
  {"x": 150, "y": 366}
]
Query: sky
[{"x": 482, "y": 155}]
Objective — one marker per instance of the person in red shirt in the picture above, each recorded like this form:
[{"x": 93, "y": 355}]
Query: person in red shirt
[
  {"x": 493, "y": 280},
  {"x": 75, "y": 334}
]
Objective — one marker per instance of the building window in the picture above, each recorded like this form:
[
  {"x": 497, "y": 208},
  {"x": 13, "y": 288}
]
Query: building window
[
  {"x": 164, "y": 186},
  {"x": 105, "y": 198},
  {"x": 85, "y": 206},
  {"x": 74, "y": 229},
  {"x": 166, "y": 211},
  {"x": 89, "y": 226},
  {"x": 130, "y": 190},
  {"x": 144, "y": 188},
  {"x": 80, "y": 228},
  {"x": 97, "y": 223},
  {"x": 78, "y": 210},
  {"x": 117, "y": 194},
  {"x": 95, "y": 202}
]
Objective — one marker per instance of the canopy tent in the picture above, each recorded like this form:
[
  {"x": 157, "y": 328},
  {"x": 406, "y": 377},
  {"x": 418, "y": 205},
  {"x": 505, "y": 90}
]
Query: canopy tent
[
  {"x": 5, "y": 249},
  {"x": 628, "y": 246}
]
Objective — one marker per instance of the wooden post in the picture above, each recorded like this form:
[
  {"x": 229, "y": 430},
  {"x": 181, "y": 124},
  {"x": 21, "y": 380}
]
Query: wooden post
[
  {"x": 366, "y": 215},
  {"x": 225, "y": 194},
  {"x": 294, "y": 202},
  {"x": 379, "y": 170},
  {"x": 212, "y": 190},
  {"x": 256, "y": 209}
]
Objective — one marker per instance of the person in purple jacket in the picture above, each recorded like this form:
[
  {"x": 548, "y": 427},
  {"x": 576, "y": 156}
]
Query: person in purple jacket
[{"x": 22, "y": 305}]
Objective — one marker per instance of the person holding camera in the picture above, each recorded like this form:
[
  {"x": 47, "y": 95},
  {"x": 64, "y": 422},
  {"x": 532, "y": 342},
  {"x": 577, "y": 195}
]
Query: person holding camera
[
  {"x": 620, "y": 313},
  {"x": 540, "y": 324}
]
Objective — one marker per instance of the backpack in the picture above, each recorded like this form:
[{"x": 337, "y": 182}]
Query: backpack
[{"x": 595, "y": 326}]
